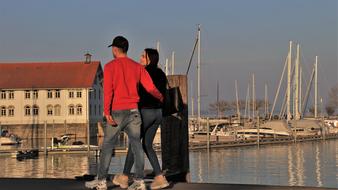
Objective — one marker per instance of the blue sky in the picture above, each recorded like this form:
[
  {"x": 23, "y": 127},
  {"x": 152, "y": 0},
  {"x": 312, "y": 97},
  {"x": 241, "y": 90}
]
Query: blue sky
[{"x": 239, "y": 37}]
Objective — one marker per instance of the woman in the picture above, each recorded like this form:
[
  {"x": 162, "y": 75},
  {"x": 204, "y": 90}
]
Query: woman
[{"x": 151, "y": 113}]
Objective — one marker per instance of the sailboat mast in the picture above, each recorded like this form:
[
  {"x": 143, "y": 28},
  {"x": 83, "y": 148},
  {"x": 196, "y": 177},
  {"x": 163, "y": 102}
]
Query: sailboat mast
[
  {"x": 166, "y": 67},
  {"x": 158, "y": 50},
  {"x": 247, "y": 105},
  {"x": 217, "y": 100},
  {"x": 192, "y": 99},
  {"x": 316, "y": 87},
  {"x": 297, "y": 116},
  {"x": 266, "y": 100},
  {"x": 199, "y": 77},
  {"x": 300, "y": 90},
  {"x": 237, "y": 103},
  {"x": 249, "y": 102},
  {"x": 253, "y": 97},
  {"x": 173, "y": 63},
  {"x": 309, "y": 86},
  {"x": 288, "y": 96},
  {"x": 158, "y": 46},
  {"x": 278, "y": 89}
]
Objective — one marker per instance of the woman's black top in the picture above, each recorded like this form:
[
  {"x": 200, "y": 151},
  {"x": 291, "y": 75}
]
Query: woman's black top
[{"x": 160, "y": 81}]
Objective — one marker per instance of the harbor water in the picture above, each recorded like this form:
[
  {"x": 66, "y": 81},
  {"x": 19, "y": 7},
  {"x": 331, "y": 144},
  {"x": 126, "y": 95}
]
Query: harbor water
[{"x": 302, "y": 164}]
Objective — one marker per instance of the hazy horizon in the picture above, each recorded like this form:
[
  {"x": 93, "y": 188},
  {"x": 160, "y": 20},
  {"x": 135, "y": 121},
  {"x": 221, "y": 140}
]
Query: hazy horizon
[{"x": 238, "y": 37}]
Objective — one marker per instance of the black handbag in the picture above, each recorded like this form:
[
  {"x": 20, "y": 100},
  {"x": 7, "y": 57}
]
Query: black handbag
[{"x": 173, "y": 102}]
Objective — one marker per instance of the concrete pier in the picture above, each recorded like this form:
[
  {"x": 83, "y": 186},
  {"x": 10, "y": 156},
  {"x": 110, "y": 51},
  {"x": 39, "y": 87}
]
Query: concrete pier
[{"x": 72, "y": 184}]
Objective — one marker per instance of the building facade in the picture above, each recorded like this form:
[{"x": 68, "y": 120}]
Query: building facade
[{"x": 57, "y": 93}]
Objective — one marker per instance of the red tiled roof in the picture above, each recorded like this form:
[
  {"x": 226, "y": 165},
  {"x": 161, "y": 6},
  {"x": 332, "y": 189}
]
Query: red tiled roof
[{"x": 48, "y": 75}]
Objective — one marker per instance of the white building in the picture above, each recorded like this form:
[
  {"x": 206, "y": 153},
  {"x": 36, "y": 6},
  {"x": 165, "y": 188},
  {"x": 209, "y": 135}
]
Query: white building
[{"x": 58, "y": 93}]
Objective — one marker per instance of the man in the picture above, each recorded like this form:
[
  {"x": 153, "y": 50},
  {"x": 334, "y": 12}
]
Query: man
[{"x": 121, "y": 79}]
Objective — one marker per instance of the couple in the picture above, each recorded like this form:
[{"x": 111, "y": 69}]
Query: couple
[{"x": 128, "y": 86}]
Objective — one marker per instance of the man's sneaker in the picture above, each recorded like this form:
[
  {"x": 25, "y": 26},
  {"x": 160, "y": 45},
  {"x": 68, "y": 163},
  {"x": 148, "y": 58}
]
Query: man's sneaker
[
  {"x": 137, "y": 185},
  {"x": 159, "y": 182},
  {"x": 121, "y": 180},
  {"x": 96, "y": 183}
]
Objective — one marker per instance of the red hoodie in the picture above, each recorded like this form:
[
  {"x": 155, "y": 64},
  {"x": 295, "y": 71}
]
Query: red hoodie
[{"x": 121, "y": 79}]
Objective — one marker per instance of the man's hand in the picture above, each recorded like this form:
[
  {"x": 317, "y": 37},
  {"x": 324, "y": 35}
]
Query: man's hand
[
  {"x": 111, "y": 121},
  {"x": 162, "y": 99}
]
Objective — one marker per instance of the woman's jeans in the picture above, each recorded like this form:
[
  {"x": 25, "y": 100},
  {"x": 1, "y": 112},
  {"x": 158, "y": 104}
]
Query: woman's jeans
[
  {"x": 130, "y": 122},
  {"x": 151, "y": 119}
]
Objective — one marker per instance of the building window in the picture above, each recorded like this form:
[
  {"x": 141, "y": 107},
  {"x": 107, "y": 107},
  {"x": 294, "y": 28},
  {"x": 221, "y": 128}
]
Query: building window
[
  {"x": 11, "y": 95},
  {"x": 71, "y": 110},
  {"x": 11, "y": 111},
  {"x": 71, "y": 94},
  {"x": 49, "y": 110},
  {"x": 100, "y": 109},
  {"x": 27, "y": 94},
  {"x": 57, "y": 110},
  {"x": 3, "y": 111},
  {"x": 90, "y": 109},
  {"x": 94, "y": 109},
  {"x": 35, "y": 94},
  {"x": 3, "y": 95},
  {"x": 79, "y": 109},
  {"x": 27, "y": 110},
  {"x": 57, "y": 93},
  {"x": 78, "y": 94},
  {"x": 49, "y": 94},
  {"x": 35, "y": 110},
  {"x": 94, "y": 93}
]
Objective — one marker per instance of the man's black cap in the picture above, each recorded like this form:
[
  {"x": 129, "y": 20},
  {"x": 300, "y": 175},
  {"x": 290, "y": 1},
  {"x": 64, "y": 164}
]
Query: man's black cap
[{"x": 120, "y": 42}]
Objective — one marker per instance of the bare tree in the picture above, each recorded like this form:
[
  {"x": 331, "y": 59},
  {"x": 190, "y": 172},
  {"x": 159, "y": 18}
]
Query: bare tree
[
  {"x": 312, "y": 110},
  {"x": 259, "y": 104},
  {"x": 330, "y": 110},
  {"x": 333, "y": 96},
  {"x": 221, "y": 106},
  {"x": 241, "y": 104},
  {"x": 233, "y": 105}
]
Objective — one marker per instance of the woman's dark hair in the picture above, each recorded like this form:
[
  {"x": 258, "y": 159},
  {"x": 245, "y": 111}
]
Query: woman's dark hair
[{"x": 153, "y": 56}]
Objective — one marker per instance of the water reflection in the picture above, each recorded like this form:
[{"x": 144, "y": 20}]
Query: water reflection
[
  {"x": 302, "y": 164},
  {"x": 319, "y": 180}
]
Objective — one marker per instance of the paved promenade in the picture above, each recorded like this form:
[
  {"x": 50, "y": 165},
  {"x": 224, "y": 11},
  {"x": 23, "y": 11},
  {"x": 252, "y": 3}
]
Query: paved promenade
[{"x": 72, "y": 184}]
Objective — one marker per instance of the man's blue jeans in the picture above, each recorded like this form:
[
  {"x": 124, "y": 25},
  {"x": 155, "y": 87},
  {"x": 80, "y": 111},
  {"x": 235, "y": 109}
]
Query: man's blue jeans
[
  {"x": 130, "y": 122},
  {"x": 151, "y": 118}
]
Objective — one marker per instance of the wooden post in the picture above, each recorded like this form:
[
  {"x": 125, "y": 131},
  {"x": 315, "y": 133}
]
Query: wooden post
[
  {"x": 53, "y": 135},
  {"x": 174, "y": 136},
  {"x": 45, "y": 138},
  {"x": 258, "y": 132},
  {"x": 88, "y": 136},
  {"x": 208, "y": 135}
]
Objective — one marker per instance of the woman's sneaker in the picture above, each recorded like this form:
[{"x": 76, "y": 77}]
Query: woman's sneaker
[
  {"x": 159, "y": 182},
  {"x": 137, "y": 185},
  {"x": 96, "y": 183},
  {"x": 121, "y": 180}
]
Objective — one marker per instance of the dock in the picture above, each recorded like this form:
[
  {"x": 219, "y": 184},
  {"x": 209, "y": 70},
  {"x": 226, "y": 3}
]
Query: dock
[
  {"x": 72, "y": 184},
  {"x": 198, "y": 143},
  {"x": 201, "y": 142}
]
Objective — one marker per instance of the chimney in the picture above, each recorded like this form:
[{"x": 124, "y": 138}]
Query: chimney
[{"x": 88, "y": 58}]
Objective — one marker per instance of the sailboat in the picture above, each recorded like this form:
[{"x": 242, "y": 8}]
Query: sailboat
[
  {"x": 7, "y": 138},
  {"x": 295, "y": 120}
]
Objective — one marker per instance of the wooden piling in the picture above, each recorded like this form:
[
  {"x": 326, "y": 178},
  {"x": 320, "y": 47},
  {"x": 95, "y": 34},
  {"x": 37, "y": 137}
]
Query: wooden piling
[{"x": 174, "y": 136}]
